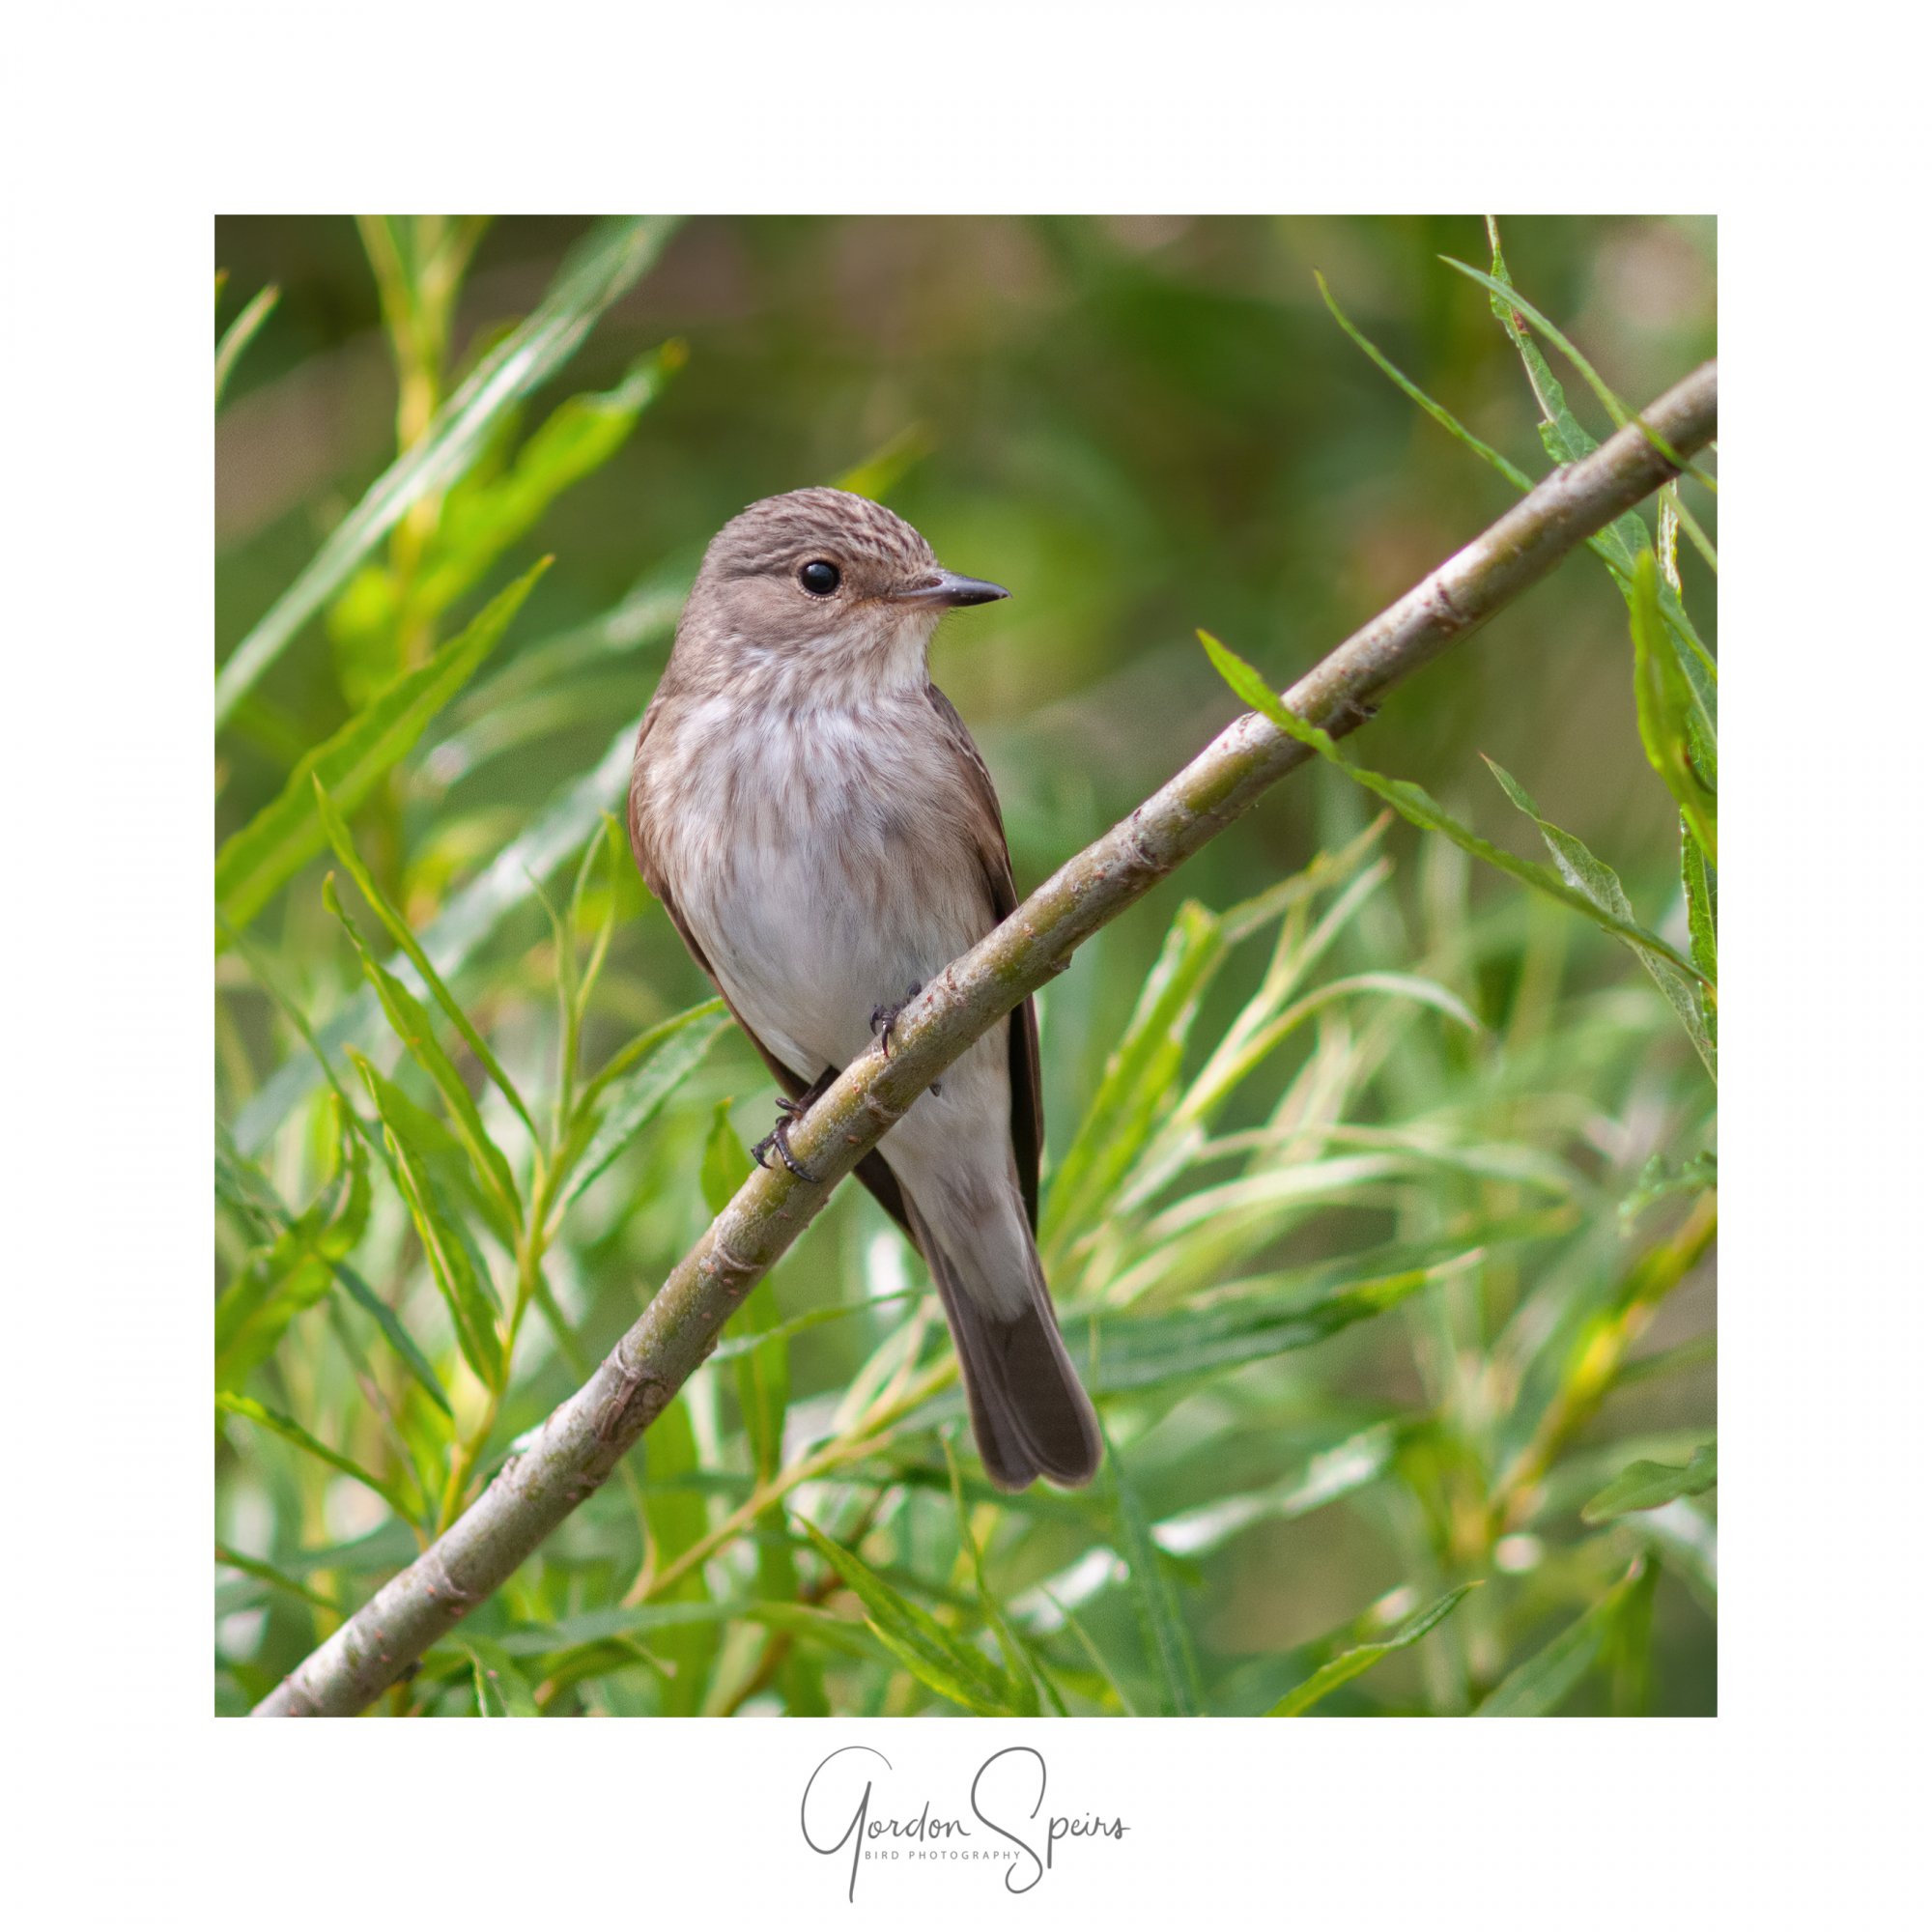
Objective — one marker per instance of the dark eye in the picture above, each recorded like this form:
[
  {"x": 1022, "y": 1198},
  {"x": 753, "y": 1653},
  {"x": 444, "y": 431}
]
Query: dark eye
[{"x": 818, "y": 577}]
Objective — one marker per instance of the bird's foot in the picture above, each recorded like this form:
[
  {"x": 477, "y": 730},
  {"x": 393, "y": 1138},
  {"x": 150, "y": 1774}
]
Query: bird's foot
[
  {"x": 779, "y": 1140},
  {"x": 884, "y": 1017}
]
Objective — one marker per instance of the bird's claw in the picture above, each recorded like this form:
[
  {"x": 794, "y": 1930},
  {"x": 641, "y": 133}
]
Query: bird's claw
[
  {"x": 884, "y": 1017},
  {"x": 779, "y": 1140}
]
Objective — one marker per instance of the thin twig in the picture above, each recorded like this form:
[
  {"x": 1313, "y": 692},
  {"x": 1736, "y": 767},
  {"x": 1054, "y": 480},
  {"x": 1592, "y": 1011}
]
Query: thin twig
[{"x": 585, "y": 1438}]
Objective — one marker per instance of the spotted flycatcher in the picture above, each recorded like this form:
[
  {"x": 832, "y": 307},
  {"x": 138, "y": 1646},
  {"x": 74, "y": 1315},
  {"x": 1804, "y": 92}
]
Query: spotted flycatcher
[{"x": 825, "y": 836}]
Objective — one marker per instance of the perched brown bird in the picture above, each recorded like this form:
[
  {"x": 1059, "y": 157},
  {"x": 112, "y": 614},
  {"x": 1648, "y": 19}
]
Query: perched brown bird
[{"x": 825, "y": 836}]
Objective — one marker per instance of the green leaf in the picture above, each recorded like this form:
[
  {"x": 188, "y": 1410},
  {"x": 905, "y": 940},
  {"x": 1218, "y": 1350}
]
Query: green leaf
[
  {"x": 930, "y": 1652},
  {"x": 291, "y": 1430},
  {"x": 1659, "y": 1180},
  {"x": 336, "y": 829},
  {"x": 446, "y": 1161},
  {"x": 677, "y": 1518},
  {"x": 1025, "y": 1676},
  {"x": 1213, "y": 1337},
  {"x": 1536, "y": 1687},
  {"x": 1680, "y": 743},
  {"x": 481, "y": 518},
  {"x": 1700, "y": 901},
  {"x": 878, "y": 474},
  {"x": 726, "y": 1166},
  {"x": 258, "y": 860},
  {"x": 1339, "y": 1670},
  {"x": 558, "y": 830},
  {"x": 1418, "y": 807},
  {"x": 1177, "y": 1676},
  {"x": 413, "y": 1028},
  {"x": 1649, "y": 1486},
  {"x": 1140, "y": 1076},
  {"x": 1509, "y": 302},
  {"x": 675, "y": 1050},
  {"x": 237, "y": 335},
  {"x": 1470, "y": 439},
  {"x": 275, "y": 1580},
  {"x": 235, "y": 1171},
  {"x": 459, "y": 1274},
  {"x": 502, "y": 1689},
  {"x": 607, "y": 261},
  {"x": 1567, "y": 440},
  {"x": 1586, "y": 873},
  {"x": 296, "y": 1261}
]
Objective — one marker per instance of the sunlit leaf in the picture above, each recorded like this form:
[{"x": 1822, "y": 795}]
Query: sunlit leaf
[
  {"x": 237, "y": 336},
  {"x": 1163, "y": 1630},
  {"x": 336, "y": 829},
  {"x": 931, "y": 1653},
  {"x": 291, "y": 1430},
  {"x": 610, "y": 260},
  {"x": 1649, "y": 1486},
  {"x": 1584, "y": 872},
  {"x": 286, "y": 834},
  {"x": 1339, "y": 1670},
  {"x": 1541, "y": 1682}
]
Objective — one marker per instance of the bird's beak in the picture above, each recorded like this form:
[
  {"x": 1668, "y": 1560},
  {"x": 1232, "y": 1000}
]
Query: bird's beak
[{"x": 951, "y": 591}]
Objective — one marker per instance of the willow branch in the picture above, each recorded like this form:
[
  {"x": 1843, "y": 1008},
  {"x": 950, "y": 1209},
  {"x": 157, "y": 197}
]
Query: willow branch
[{"x": 585, "y": 1436}]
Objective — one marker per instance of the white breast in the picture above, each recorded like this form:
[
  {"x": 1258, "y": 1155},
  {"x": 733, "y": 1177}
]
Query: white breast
[{"x": 817, "y": 861}]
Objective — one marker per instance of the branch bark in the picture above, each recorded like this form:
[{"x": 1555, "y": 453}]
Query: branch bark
[{"x": 585, "y": 1436}]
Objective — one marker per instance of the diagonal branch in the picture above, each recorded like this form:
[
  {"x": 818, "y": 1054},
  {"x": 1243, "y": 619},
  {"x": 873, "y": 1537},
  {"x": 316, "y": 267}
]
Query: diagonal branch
[{"x": 585, "y": 1435}]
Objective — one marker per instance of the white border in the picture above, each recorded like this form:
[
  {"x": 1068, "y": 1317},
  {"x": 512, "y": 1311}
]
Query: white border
[{"x": 127, "y": 127}]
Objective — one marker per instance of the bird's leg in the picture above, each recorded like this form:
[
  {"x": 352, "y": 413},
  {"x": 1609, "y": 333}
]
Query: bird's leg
[
  {"x": 883, "y": 1017},
  {"x": 779, "y": 1140}
]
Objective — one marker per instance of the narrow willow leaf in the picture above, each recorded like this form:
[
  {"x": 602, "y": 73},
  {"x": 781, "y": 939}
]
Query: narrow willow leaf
[
  {"x": 1619, "y": 545},
  {"x": 1666, "y": 718},
  {"x": 1429, "y": 407},
  {"x": 1649, "y": 1486},
  {"x": 930, "y": 1651},
  {"x": 1567, "y": 440},
  {"x": 677, "y": 1518},
  {"x": 445, "y": 1160},
  {"x": 1505, "y": 294},
  {"x": 1598, "y": 883},
  {"x": 558, "y": 830},
  {"x": 763, "y": 1369},
  {"x": 1339, "y": 1670},
  {"x": 638, "y": 1100},
  {"x": 1140, "y": 1075},
  {"x": 412, "y": 1024},
  {"x": 336, "y": 829},
  {"x": 285, "y": 835},
  {"x": 291, "y": 1431},
  {"x": 235, "y": 1171},
  {"x": 1025, "y": 1676},
  {"x": 463, "y": 1283},
  {"x": 1659, "y": 1180},
  {"x": 237, "y": 336},
  {"x": 878, "y": 474},
  {"x": 1700, "y": 900},
  {"x": 1536, "y": 1687},
  {"x": 275, "y": 1580},
  {"x": 1418, "y": 807},
  {"x": 609, "y": 261},
  {"x": 294, "y": 1267},
  {"x": 1153, "y": 1351},
  {"x": 502, "y": 1689},
  {"x": 482, "y": 518},
  {"x": 1163, "y": 1630}
]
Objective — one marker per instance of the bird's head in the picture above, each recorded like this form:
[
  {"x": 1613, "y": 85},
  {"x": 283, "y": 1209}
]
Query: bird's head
[{"x": 825, "y": 580}]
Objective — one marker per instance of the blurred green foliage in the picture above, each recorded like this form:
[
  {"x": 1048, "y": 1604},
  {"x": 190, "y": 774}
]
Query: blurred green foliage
[{"x": 1381, "y": 1196}]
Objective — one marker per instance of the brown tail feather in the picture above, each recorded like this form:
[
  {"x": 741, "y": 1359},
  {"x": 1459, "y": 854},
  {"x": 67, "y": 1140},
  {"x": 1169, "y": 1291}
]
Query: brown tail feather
[{"x": 1030, "y": 1418}]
